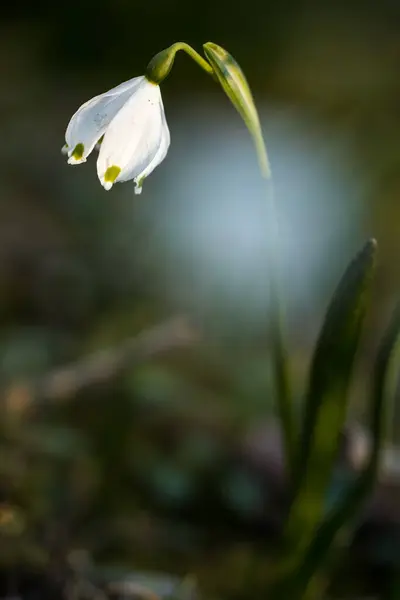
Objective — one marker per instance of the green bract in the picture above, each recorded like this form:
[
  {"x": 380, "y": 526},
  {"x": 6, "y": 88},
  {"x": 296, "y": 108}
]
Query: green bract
[{"x": 234, "y": 83}]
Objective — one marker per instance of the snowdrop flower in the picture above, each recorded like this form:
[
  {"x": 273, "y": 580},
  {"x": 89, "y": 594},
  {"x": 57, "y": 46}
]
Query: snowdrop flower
[{"x": 128, "y": 126}]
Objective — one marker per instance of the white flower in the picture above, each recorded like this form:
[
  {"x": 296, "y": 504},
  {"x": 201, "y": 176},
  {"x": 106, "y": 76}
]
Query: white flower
[{"x": 128, "y": 126}]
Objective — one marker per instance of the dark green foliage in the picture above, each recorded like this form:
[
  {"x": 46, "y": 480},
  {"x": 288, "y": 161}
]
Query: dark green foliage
[
  {"x": 327, "y": 395},
  {"x": 302, "y": 567}
]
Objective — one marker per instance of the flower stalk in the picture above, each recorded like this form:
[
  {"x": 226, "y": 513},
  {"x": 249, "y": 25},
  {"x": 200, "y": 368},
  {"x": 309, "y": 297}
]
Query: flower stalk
[
  {"x": 234, "y": 83},
  {"x": 161, "y": 64}
]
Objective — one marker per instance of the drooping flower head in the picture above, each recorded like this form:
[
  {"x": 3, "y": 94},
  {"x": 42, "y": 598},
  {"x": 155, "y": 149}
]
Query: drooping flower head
[{"x": 130, "y": 121}]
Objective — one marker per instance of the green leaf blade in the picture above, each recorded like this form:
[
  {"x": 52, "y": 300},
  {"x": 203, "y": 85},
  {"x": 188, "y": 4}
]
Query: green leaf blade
[{"x": 327, "y": 395}]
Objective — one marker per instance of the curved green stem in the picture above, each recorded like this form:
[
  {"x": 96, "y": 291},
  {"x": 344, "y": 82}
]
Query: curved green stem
[
  {"x": 262, "y": 155},
  {"x": 194, "y": 55},
  {"x": 279, "y": 352},
  {"x": 234, "y": 84},
  {"x": 279, "y": 349},
  {"x": 161, "y": 64}
]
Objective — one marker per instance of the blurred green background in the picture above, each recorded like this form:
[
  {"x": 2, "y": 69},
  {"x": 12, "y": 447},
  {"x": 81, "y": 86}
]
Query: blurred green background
[{"x": 172, "y": 466}]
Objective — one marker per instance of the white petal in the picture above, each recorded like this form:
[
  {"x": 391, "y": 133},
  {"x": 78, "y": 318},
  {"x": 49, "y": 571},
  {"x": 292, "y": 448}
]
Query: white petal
[
  {"x": 91, "y": 120},
  {"x": 140, "y": 171},
  {"x": 134, "y": 136},
  {"x": 158, "y": 158}
]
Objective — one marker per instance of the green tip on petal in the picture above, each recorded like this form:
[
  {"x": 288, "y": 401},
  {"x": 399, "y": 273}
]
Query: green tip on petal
[
  {"x": 112, "y": 173},
  {"x": 139, "y": 185},
  {"x": 78, "y": 151},
  {"x": 110, "y": 176}
]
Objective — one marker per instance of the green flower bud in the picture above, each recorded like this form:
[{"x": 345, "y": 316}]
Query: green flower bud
[
  {"x": 160, "y": 65},
  {"x": 234, "y": 83}
]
